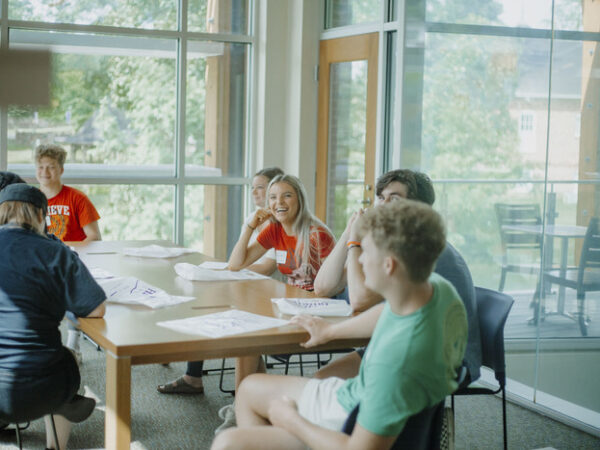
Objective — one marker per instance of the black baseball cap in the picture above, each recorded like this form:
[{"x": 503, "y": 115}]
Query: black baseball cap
[
  {"x": 8, "y": 178},
  {"x": 26, "y": 193}
]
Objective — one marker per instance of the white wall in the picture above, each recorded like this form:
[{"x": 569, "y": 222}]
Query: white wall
[{"x": 287, "y": 51}]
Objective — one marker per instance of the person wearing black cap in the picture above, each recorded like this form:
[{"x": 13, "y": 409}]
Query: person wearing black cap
[
  {"x": 40, "y": 279},
  {"x": 8, "y": 178}
]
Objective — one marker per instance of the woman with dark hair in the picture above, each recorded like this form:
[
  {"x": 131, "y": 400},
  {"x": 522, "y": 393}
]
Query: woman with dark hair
[{"x": 41, "y": 279}]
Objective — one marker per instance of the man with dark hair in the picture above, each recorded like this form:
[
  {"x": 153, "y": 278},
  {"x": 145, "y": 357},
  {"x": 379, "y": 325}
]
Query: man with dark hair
[{"x": 341, "y": 267}]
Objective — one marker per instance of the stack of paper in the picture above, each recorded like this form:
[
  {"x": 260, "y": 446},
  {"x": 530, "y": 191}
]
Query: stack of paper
[
  {"x": 313, "y": 306},
  {"x": 133, "y": 291},
  {"x": 197, "y": 273},
  {"x": 224, "y": 323},
  {"x": 156, "y": 251}
]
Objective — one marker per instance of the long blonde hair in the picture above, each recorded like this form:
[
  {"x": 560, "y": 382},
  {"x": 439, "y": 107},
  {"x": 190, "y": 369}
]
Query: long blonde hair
[{"x": 305, "y": 219}]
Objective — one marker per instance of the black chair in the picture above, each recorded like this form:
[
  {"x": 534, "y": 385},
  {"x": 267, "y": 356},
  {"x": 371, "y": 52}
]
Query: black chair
[
  {"x": 492, "y": 310},
  {"x": 18, "y": 428},
  {"x": 421, "y": 432},
  {"x": 518, "y": 243},
  {"x": 584, "y": 278}
]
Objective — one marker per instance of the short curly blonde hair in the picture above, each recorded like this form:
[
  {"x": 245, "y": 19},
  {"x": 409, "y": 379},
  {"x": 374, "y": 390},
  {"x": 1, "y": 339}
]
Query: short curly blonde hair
[
  {"x": 56, "y": 152},
  {"x": 411, "y": 231}
]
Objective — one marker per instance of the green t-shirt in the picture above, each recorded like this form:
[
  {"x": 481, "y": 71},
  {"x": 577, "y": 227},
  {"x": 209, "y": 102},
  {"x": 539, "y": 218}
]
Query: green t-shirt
[{"x": 410, "y": 363}]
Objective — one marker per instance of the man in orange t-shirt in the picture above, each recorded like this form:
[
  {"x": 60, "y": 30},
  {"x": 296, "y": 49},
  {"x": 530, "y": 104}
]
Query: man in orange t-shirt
[{"x": 71, "y": 215}]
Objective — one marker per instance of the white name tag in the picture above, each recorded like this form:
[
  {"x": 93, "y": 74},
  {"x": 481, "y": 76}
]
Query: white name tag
[{"x": 281, "y": 256}]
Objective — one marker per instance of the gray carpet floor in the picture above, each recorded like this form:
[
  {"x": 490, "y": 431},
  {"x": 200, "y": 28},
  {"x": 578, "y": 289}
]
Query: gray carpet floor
[{"x": 187, "y": 422}]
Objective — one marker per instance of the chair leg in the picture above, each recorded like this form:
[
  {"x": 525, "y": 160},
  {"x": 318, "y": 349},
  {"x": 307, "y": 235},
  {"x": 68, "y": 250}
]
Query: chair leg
[
  {"x": 226, "y": 391},
  {"x": 18, "y": 431},
  {"x": 54, "y": 432},
  {"x": 504, "y": 415},
  {"x": 581, "y": 313},
  {"x": 502, "y": 280}
]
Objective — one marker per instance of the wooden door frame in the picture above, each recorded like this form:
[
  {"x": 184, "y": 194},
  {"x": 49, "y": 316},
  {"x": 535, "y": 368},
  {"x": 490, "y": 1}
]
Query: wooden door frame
[{"x": 346, "y": 49}]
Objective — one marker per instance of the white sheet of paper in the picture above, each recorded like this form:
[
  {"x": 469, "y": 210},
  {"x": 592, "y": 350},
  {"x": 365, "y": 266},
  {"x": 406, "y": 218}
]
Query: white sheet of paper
[
  {"x": 100, "y": 274},
  {"x": 156, "y": 251},
  {"x": 196, "y": 273},
  {"x": 313, "y": 306},
  {"x": 215, "y": 265},
  {"x": 224, "y": 323},
  {"x": 130, "y": 290}
]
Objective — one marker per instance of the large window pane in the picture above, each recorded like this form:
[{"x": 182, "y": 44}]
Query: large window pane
[
  {"x": 213, "y": 218},
  {"x": 112, "y": 101},
  {"x": 339, "y": 13},
  {"x": 147, "y": 14},
  {"x": 133, "y": 212},
  {"x": 218, "y": 16},
  {"x": 216, "y": 108}
]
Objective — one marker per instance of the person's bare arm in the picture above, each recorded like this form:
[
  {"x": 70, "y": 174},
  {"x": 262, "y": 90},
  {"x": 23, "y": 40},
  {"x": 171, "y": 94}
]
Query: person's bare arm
[
  {"x": 321, "y": 331},
  {"x": 283, "y": 413},
  {"x": 99, "y": 311},
  {"x": 266, "y": 267},
  {"x": 92, "y": 232},
  {"x": 243, "y": 255}
]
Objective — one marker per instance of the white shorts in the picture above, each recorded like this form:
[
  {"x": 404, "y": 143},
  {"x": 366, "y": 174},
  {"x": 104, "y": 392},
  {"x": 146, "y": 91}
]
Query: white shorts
[{"x": 318, "y": 403}]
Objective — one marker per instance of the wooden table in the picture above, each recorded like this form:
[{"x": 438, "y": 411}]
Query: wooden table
[{"x": 129, "y": 334}]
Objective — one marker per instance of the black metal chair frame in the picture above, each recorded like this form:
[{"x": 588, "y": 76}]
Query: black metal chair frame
[
  {"x": 492, "y": 310},
  {"x": 583, "y": 278},
  {"x": 18, "y": 428},
  {"x": 517, "y": 241}
]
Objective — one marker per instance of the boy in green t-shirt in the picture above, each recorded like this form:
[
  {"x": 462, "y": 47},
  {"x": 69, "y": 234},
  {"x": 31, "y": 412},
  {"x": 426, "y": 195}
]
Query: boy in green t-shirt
[{"x": 410, "y": 364}]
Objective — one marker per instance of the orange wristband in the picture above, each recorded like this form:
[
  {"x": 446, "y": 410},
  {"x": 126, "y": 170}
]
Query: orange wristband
[{"x": 351, "y": 244}]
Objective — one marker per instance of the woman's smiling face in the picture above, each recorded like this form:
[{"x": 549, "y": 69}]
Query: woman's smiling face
[{"x": 283, "y": 203}]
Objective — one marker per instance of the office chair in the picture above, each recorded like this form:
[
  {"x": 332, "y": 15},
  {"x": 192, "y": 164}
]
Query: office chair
[
  {"x": 516, "y": 242},
  {"x": 585, "y": 277},
  {"x": 421, "y": 432},
  {"x": 492, "y": 311}
]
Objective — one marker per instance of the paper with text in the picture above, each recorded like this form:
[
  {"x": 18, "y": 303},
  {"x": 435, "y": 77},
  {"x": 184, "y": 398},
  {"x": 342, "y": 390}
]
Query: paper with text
[
  {"x": 197, "y": 273},
  {"x": 215, "y": 265},
  {"x": 313, "y": 306},
  {"x": 130, "y": 290},
  {"x": 156, "y": 251},
  {"x": 224, "y": 323}
]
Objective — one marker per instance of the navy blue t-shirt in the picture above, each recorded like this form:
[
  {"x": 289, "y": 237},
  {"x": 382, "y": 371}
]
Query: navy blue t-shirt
[
  {"x": 451, "y": 265},
  {"x": 42, "y": 279}
]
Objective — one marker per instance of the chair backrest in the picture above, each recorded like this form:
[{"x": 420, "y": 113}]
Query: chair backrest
[
  {"x": 590, "y": 253},
  {"x": 492, "y": 310},
  {"x": 421, "y": 432},
  {"x": 508, "y": 214}
]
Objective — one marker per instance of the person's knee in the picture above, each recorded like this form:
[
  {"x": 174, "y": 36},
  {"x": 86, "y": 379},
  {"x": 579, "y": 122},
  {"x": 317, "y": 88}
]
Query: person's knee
[
  {"x": 249, "y": 385},
  {"x": 227, "y": 440}
]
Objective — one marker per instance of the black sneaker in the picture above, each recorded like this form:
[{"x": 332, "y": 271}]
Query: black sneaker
[{"x": 77, "y": 409}]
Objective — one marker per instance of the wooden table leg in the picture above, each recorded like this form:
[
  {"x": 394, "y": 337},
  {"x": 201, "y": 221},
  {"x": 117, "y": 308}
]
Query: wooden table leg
[{"x": 117, "y": 429}]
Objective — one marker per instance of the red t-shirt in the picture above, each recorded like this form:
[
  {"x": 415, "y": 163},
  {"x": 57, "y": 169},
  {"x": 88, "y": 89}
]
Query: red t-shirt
[
  {"x": 69, "y": 211},
  {"x": 298, "y": 272}
]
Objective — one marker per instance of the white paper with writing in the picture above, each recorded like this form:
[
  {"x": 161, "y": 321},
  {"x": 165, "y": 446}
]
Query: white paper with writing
[
  {"x": 130, "y": 290},
  {"x": 224, "y": 323},
  {"x": 156, "y": 251},
  {"x": 313, "y": 306},
  {"x": 197, "y": 273}
]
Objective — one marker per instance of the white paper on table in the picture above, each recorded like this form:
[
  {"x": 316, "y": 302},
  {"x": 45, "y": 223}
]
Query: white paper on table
[
  {"x": 313, "y": 306},
  {"x": 196, "y": 273},
  {"x": 224, "y": 323},
  {"x": 215, "y": 265},
  {"x": 100, "y": 274},
  {"x": 130, "y": 290},
  {"x": 156, "y": 251}
]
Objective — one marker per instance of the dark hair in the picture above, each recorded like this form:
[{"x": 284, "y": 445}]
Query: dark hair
[
  {"x": 269, "y": 172},
  {"x": 404, "y": 176},
  {"x": 425, "y": 191},
  {"x": 418, "y": 184},
  {"x": 8, "y": 178}
]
